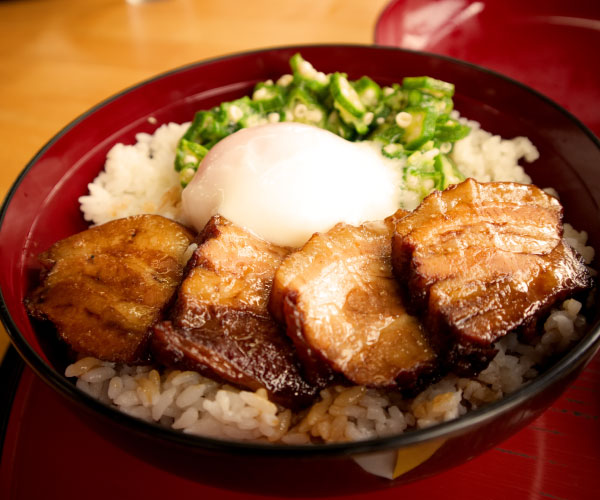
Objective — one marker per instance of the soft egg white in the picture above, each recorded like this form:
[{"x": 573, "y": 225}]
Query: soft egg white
[{"x": 286, "y": 181}]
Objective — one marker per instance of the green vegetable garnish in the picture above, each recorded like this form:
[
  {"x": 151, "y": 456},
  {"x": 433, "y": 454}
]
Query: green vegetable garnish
[{"x": 411, "y": 121}]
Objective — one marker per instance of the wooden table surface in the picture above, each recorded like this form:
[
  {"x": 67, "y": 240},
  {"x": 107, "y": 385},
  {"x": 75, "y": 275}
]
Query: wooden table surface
[{"x": 60, "y": 57}]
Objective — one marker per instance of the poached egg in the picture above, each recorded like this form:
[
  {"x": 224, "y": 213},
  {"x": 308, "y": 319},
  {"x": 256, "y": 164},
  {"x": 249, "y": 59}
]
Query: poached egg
[{"x": 286, "y": 181}]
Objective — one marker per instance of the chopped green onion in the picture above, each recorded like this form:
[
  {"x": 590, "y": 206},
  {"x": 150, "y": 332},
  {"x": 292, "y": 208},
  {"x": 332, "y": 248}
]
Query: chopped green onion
[
  {"x": 306, "y": 75},
  {"x": 345, "y": 98},
  {"x": 368, "y": 92},
  {"x": 450, "y": 131},
  {"x": 411, "y": 121},
  {"x": 426, "y": 84},
  {"x": 421, "y": 128},
  {"x": 448, "y": 171}
]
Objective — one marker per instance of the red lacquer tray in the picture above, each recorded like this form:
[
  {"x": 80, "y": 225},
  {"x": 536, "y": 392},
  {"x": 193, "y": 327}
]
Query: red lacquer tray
[
  {"x": 50, "y": 453},
  {"x": 550, "y": 45}
]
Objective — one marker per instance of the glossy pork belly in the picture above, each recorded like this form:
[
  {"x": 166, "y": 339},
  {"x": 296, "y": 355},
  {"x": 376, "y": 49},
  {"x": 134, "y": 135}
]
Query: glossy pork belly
[
  {"x": 220, "y": 325},
  {"x": 481, "y": 260},
  {"x": 341, "y": 305},
  {"x": 104, "y": 287}
]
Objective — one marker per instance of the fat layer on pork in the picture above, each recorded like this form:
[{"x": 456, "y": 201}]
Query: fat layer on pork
[
  {"x": 481, "y": 260},
  {"x": 343, "y": 308},
  {"x": 104, "y": 287},
  {"x": 220, "y": 324}
]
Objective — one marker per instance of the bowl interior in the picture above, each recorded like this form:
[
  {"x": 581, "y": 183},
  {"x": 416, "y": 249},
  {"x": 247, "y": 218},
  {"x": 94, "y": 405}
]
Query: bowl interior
[{"x": 43, "y": 205}]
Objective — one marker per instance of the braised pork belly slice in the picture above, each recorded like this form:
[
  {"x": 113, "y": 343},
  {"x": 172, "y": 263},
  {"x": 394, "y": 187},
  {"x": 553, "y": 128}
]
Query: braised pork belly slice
[
  {"x": 104, "y": 287},
  {"x": 230, "y": 268},
  {"x": 481, "y": 260},
  {"x": 341, "y": 304},
  {"x": 220, "y": 325}
]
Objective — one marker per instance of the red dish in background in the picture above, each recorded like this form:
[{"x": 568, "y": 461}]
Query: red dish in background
[{"x": 550, "y": 45}]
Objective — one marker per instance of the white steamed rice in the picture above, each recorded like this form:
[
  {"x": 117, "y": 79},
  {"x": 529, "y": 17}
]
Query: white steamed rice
[{"x": 140, "y": 179}]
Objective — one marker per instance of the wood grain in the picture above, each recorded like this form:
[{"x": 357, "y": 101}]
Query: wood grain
[{"x": 58, "y": 58}]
